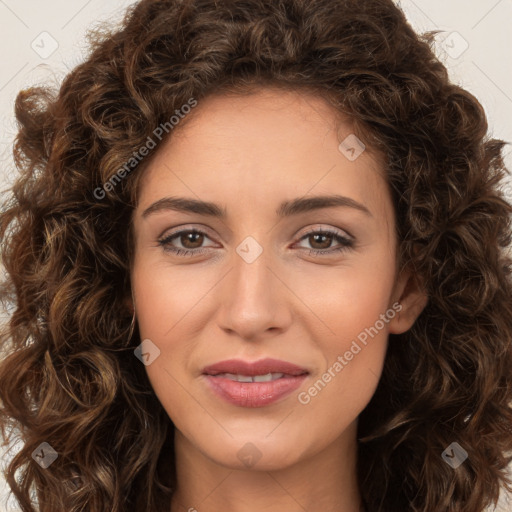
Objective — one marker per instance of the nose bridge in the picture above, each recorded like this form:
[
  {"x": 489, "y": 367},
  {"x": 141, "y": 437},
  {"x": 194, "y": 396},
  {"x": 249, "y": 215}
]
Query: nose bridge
[
  {"x": 253, "y": 299},
  {"x": 252, "y": 280}
]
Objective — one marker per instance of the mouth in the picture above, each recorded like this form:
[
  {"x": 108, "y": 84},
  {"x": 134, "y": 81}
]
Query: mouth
[
  {"x": 254, "y": 384},
  {"x": 268, "y": 377}
]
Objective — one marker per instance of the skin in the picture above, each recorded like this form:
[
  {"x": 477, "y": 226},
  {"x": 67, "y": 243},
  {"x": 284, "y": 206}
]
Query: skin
[{"x": 248, "y": 154}]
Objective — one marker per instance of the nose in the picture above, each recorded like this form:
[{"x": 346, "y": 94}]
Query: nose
[{"x": 254, "y": 301}]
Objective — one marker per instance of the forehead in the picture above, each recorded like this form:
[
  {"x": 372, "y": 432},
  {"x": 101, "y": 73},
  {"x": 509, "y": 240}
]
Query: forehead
[{"x": 260, "y": 148}]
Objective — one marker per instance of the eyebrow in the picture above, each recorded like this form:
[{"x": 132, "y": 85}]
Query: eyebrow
[{"x": 286, "y": 209}]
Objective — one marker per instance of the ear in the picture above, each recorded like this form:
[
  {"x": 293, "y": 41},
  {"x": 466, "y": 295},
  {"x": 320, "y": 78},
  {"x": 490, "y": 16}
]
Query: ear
[{"x": 410, "y": 293}]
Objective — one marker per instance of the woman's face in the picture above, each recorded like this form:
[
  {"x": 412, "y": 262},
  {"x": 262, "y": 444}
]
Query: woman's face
[{"x": 279, "y": 275}]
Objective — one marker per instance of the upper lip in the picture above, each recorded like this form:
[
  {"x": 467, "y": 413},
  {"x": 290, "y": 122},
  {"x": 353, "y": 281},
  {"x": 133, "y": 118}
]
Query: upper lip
[{"x": 261, "y": 367}]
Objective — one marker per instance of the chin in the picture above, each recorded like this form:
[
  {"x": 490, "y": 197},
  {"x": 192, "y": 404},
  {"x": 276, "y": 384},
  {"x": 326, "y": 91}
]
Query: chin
[{"x": 257, "y": 452}]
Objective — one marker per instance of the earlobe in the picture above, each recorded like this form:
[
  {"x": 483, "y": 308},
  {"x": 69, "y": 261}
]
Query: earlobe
[{"x": 413, "y": 299}]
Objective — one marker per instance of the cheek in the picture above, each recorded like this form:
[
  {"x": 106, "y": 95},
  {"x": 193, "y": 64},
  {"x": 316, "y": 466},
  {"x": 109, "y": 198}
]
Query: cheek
[
  {"x": 355, "y": 306},
  {"x": 353, "y": 360},
  {"x": 161, "y": 314},
  {"x": 166, "y": 297},
  {"x": 170, "y": 305},
  {"x": 351, "y": 298}
]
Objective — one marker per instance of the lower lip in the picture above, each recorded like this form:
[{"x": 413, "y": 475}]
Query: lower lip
[{"x": 254, "y": 394}]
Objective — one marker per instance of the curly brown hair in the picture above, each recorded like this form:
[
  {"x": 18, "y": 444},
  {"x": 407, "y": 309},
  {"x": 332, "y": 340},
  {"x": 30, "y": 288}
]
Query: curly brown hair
[{"x": 69, "y": 376}]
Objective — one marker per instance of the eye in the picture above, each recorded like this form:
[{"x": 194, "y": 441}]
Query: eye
[
  {"x": 191, "y": 241},
  {"x": 321, "y": 240}
]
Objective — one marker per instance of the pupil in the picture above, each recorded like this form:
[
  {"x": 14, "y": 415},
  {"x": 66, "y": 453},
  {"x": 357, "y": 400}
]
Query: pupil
[
  {"x": 189, "y": 237},
  {"x": 327, "y": 237}
]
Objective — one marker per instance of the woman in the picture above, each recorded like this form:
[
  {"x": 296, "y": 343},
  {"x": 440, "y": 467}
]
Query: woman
[{"x": 257, "y": 253}]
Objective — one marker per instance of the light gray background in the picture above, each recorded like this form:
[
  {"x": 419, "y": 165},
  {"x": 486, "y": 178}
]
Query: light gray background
[{"x": 41, "y": 41}]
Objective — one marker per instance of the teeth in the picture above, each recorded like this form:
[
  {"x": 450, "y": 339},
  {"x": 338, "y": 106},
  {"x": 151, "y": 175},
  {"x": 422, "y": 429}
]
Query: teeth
[
  {"x": 267, "y": 378},
  {"x": 256, "y": 378},
  {"x": 239, "y": 378}
]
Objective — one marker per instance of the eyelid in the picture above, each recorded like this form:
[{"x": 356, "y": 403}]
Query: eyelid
[
  {"x": 331, "y": 230},
  {"x": 321, "y": 227},
  {"x": 185, "y": 227}
]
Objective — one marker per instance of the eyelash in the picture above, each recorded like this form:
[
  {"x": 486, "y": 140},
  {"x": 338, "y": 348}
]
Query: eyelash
[{"x": 346, "y": 243}]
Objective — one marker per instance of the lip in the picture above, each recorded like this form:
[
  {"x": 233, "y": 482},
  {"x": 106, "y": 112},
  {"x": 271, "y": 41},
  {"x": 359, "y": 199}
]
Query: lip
[
  {"x": 252, "y": 368},
  {"x": 254, "y": 394}
]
